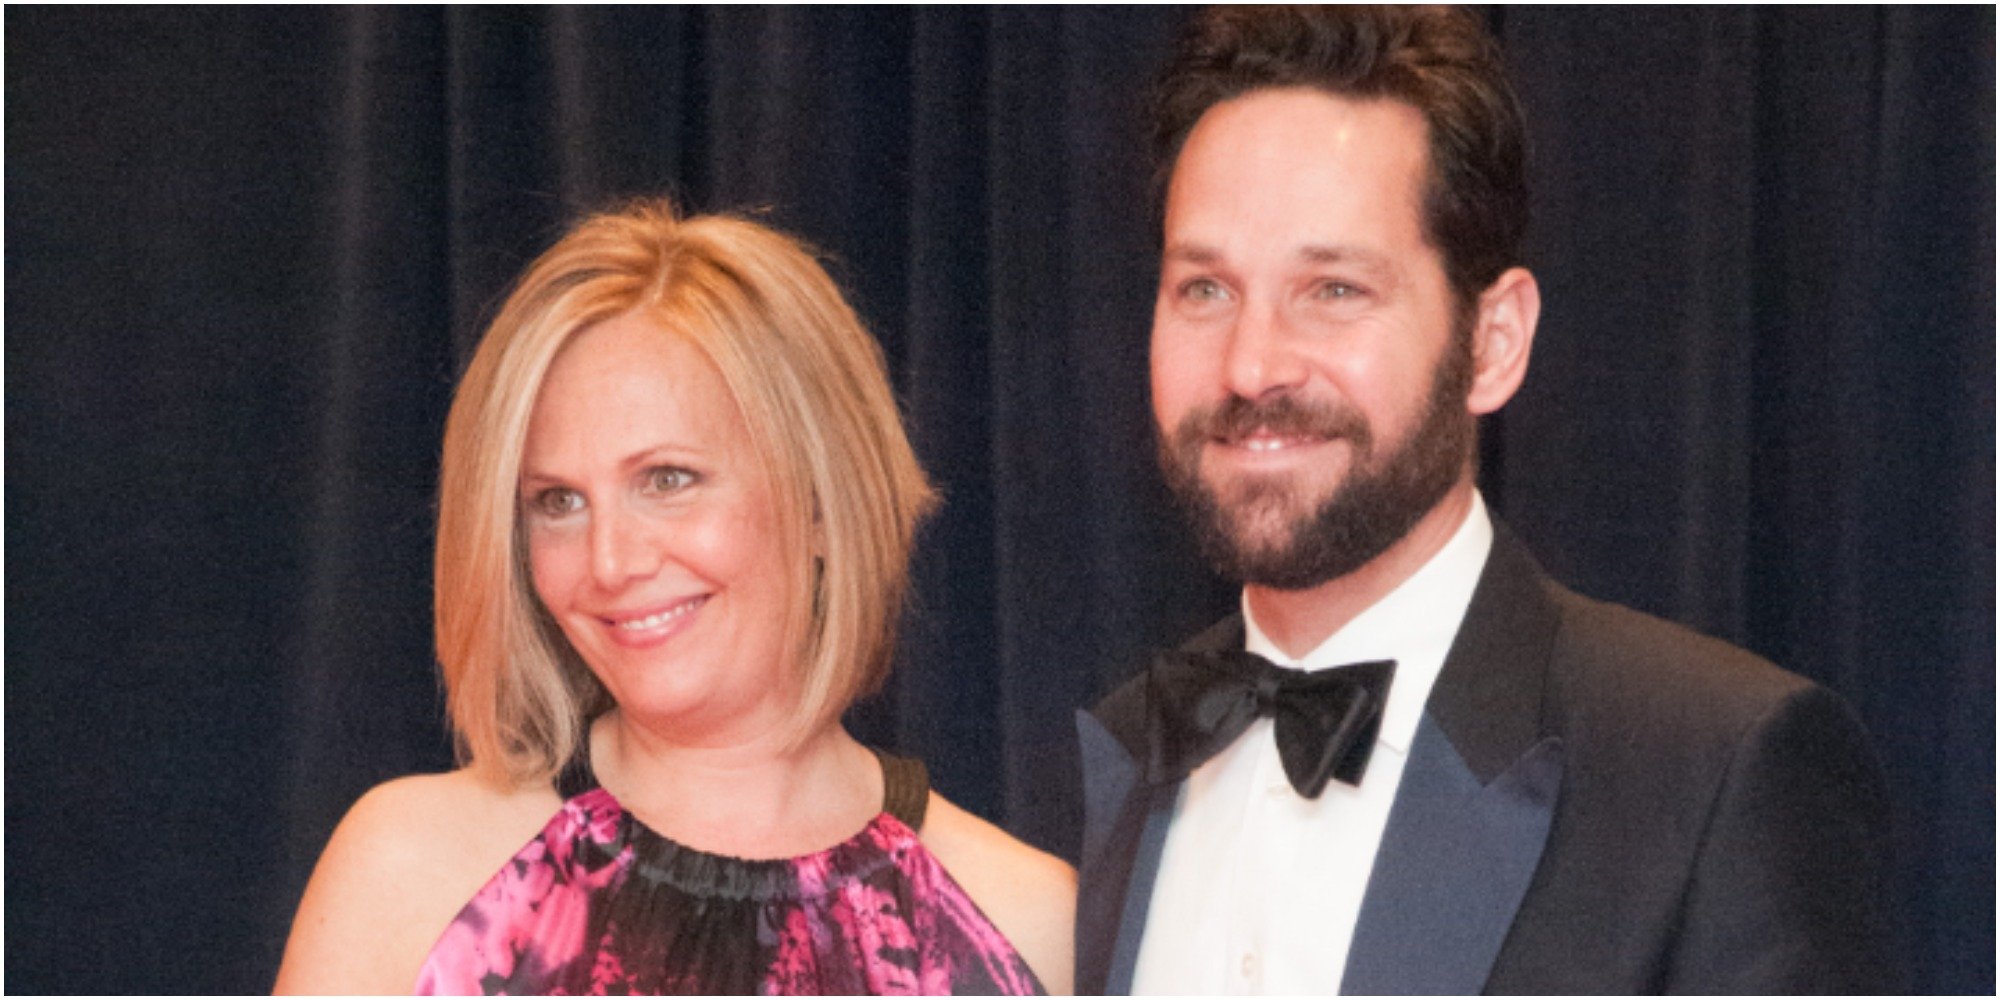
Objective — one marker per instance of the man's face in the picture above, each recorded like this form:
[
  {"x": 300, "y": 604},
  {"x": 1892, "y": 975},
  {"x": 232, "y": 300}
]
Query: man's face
[{"x": 1309, "y": 374}]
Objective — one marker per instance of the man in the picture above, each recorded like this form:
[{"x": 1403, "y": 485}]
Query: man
[{"x": 1510, "y": 788}]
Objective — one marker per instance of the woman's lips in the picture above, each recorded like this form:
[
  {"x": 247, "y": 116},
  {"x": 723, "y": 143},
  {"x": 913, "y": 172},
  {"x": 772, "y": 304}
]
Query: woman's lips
[{"x": 650, "y": 626}]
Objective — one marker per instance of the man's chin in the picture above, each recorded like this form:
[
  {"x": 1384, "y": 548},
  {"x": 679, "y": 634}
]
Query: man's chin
[
  {"x": 1269, "y": 505},
  {"x": 1264, "y": 548},
  {"x": 1283, "y": 542},
  {"x": 1264, "y": 533}
]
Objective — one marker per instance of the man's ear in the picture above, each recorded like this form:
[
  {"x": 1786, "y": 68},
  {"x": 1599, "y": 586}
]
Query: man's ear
[{"x": 1503, "y": 333}]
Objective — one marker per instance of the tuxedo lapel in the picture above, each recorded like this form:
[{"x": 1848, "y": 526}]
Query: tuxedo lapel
[
  {"x": 1111, "y": 834},
  {"x": 1472, "y": 812},
  {"x": 1125, "y": 832},
  {"x": 1125, "y": 829},
  {"x": 1456, "y": 859}
]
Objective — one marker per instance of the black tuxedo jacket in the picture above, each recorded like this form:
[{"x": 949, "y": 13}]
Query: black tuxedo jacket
[{"x": 1596, "y": 801}]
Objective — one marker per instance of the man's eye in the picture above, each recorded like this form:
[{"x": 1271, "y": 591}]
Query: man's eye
[
  {"x": 1203, "y": 290},
  {"x": 556, "y": 501},
  {"x": 669, "y": 479},
  {"x": 1335, "y": 290}
]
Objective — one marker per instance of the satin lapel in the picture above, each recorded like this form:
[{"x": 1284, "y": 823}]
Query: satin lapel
[
  {"x": 1119, "y": 862},
  {"x": 1125, "y": 829},
  {"x": 1456, "y": 859},
  {"x": 1472, "y": 813},
  {"x": 1110, "y": 841}
]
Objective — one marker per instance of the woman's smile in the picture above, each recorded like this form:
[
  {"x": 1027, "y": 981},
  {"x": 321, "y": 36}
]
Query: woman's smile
[{"x": 652, "y": 628}]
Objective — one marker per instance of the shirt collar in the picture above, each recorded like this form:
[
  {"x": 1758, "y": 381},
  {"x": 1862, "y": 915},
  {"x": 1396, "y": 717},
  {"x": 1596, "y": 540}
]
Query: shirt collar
[{"x": 1413, "y": 624}]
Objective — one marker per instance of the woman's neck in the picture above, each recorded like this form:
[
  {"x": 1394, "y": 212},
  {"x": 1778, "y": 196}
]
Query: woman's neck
[{"x": 753, "y": 797}]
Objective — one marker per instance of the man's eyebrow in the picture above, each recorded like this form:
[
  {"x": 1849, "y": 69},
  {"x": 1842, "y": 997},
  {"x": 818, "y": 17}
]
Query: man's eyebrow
[
  {"x": 1191, "y": 253},
  {"x": 1322, "y": 253}
]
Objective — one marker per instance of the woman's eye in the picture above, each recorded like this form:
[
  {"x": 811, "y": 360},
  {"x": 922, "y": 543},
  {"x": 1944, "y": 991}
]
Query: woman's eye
[
  {"x": 556, "y": 501},
  {"x": 669, "y": 479}
]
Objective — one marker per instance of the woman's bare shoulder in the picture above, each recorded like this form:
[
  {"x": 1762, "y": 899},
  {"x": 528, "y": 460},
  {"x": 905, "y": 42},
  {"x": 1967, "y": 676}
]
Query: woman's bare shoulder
[
  {"x": 455, "y": 808},
  {"x": 403, "y": 862},
  {"x": 1029, "y": 895}
]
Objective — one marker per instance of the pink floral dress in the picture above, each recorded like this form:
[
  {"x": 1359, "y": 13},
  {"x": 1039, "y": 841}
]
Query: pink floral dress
[{"x": 599, "y": 904}]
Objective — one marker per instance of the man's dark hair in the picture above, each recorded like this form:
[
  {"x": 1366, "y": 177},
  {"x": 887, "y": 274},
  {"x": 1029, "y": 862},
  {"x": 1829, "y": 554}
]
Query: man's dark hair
[{"x": 1439, "y": 60}]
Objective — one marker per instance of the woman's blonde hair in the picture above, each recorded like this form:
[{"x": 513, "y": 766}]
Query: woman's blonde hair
[{"x": 811, "y": 385}]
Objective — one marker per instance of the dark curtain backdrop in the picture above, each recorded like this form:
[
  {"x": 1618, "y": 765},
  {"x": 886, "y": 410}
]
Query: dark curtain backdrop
[{"x": 248, "y": 250}]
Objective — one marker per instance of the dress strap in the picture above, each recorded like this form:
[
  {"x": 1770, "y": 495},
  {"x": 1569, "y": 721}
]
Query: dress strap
[
  {"x": 577, "y": 777},
  {"x": 906, "y": 788}
]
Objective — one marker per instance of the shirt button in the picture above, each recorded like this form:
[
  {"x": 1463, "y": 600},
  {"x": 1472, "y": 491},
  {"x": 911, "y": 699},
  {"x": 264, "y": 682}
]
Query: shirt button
[
  {"x": 1249, "y": 966},
  {"x": 1277, "y": 790}
]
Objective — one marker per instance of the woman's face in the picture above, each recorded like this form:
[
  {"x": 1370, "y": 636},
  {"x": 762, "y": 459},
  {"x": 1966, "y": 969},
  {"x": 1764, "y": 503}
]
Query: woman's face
[{"x": 654, "y": 537}]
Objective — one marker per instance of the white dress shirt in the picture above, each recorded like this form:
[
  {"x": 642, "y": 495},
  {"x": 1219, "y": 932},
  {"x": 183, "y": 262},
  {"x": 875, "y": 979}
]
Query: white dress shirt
[{"x": 1259, "y": 887}]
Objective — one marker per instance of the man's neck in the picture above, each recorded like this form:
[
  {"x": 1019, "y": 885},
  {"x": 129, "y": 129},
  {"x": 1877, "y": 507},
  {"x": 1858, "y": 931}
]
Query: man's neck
[{"x": 1299, "y": 620}]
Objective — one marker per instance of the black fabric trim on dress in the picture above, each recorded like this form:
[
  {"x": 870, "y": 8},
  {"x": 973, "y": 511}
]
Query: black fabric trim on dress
[
  {"x": 671, "y": 884},
  {"x": 906, "y": 788},
  {"x": 576, "y": 777}
]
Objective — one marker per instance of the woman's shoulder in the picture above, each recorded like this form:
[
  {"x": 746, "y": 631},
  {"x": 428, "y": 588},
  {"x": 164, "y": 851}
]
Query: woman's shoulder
[
  {"x": 438, "y": 831},
  {"x": 1030, "y": 895},
  {"x": 423, "y": 811},
  {"x": 401, "y": 864}
]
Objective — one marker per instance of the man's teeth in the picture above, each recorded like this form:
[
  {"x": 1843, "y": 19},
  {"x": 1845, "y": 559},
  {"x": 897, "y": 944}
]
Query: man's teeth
[
  {"x": 1267, "y": 441},
  {"x": 657, "y": 620}
]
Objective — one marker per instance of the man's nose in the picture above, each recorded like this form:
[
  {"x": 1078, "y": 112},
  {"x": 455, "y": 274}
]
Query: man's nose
[{"x": 1261, "y": 356}]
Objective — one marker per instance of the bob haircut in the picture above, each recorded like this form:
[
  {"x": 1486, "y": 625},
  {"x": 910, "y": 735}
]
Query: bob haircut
[{"x": 811, "y": 387}]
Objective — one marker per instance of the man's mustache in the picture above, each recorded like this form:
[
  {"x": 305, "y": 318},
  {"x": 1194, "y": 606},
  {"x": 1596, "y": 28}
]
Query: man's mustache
[{"x": 1285, "y": 414}]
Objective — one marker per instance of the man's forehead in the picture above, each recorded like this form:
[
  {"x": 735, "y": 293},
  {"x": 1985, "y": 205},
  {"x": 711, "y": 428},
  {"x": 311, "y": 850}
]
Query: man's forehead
[
  {"x": 1286, "y": 126},
  {"x": 1300, "y": 176}
]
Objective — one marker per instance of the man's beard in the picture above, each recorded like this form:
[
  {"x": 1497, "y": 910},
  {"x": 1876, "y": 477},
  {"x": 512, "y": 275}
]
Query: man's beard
[{"x": 1373, "y": 508}]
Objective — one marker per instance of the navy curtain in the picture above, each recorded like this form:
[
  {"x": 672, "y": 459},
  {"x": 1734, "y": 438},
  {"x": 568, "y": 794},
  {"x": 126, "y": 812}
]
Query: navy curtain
[{"x": 248, "y": 250}]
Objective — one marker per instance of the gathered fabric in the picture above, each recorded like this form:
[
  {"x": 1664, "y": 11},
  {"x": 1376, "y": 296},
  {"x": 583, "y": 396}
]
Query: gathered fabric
[{"x": 598, "y": 903}]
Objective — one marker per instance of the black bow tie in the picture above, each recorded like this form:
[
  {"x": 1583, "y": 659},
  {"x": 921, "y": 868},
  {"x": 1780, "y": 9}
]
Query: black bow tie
[{"x": 1326, "y": 720}]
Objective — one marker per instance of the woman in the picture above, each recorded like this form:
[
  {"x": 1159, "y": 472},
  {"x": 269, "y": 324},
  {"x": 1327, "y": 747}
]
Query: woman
[{"x": 674, "y": 526}]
